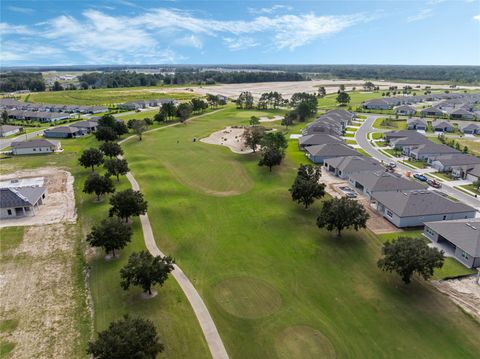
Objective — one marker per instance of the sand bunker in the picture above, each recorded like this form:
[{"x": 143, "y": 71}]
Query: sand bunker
[
  {"x": 231, "y": 137},
  {"x": 59, "y": 205},
  {"x": 267, "y": 119}
]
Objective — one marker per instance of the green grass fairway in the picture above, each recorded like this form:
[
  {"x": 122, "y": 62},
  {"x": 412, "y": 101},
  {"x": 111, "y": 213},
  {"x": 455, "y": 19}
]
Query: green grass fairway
[
  {"x": 170, "y": 311},
  {"x": 259, "y": 246},
  {"x": 105, "y": 96}
]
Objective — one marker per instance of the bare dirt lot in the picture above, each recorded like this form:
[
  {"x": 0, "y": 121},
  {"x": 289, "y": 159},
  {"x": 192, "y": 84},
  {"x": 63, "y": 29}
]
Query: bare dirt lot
[
  {"x": 230, "y": 137},
  {"x": 287, "y": 89},
  {"x": 376, "y": 223},
  {"x": 464, "y": 292},
  {"x": 37, "y": 293},
  {"x": 59, "y": 205}
]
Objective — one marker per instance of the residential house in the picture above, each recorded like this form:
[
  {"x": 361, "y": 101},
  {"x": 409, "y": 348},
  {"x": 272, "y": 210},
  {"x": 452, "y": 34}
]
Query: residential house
[
  {"x": 429, "y": 151},
  {"x": 369, "y": 182},
  {"x": 344, "y": 167},
  {"x": 442, "y": 126},
  {"x": 459, "y": 238},
  {"x": 470, "y": 129},
  {"x": 88, "y": 125},
  {"x": 319, "y": 153},
  {"x": 317, "y": 139},
  {"x": 9, "y": 130},
  {"x": 32, "y": 147},
  {"x": 415, "y": 207},
  {"x": 416, "y": 124},
  {"x": 64, "y": 132},
  {"x": 473, "y": 174},
  {"x": 462, "y": 114},
  {"x": 20, "y": 202},
  {"x": 458, "y": 164},
  {"x": 405, "y": 110},
  {"x": 378, "y": 104},
  {"x": 432, "y": 111}
]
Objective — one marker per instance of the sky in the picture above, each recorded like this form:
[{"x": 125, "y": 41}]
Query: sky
[{"x": 69, "y": 32}]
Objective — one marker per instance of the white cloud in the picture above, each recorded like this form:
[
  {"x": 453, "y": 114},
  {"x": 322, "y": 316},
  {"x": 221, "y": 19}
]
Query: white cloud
[
  {"x": 22, "y": 10},
  {"x": 149, "y": 36},
  {"x": 421, "y": 15},
  {"x": 191, "y": 41},
  {"x": 269, "y": 10},
  {"x": 476, "y": 17},
  {"x": 240, "y": 43}
]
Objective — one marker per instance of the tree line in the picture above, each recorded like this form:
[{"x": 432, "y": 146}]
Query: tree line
[
  {"x": 17, "y": 81},
  {"x": 129, "y": 337}
]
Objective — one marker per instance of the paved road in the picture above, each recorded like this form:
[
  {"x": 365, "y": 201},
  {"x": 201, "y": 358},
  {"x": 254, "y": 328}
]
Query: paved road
[
  {"x": 214, "y": 341},
  {"x": 361, "y": 138}
]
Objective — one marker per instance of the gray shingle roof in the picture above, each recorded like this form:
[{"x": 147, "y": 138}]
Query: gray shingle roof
[
  {"x": 353, "y": 164},
  {"x": 464, "y": 233},
  {"x": 63, "y": 129},
  {"x": 458, "y": 159},
  {"x": 20, "y": 197},
  {"x": 383, "y": 181},
  {"x": 419, "y": 203},
  {"x": 34, "y": 143},
  {"x": 335, "y": 150},
  {"x": 318, "y": 139}
]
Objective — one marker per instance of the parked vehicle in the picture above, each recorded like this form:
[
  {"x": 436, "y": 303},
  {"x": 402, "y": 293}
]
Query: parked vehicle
[
  {"x": 434, "y": 183},
  {"x": 392, "y": 165},
  {"x": 349, "y": 192},
  {"x": 420, "y": 177}
]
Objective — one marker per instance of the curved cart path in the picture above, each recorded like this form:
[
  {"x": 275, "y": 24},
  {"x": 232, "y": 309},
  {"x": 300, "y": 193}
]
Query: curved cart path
[{"x": 214, "y": 342}]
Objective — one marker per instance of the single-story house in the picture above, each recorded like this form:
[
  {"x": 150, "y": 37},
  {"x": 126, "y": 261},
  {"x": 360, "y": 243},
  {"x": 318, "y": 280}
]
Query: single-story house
[
  {"x": 317, "y": 139},
  {"x": 405, "y": 110},
  {"x": 460, "y": 238},
  {"x": 431, "y": 111},
  {"x": 416, "y": 124},
  {"x": 458, "y": 163},
  {"x": 20, "y": 202},
  {"x": 64, "y": 132},
  {"x": 319, "y": 153},
  {"x": 470, "y": 129},
  {"x": 8, "y": 130},
  {"x": 344, "y": 167},
  {"x": 442, "y": 126},
  {"x": 88, "y": 125},
  {"x": 369, "y": 182},
  {"x": 414, "y": 208},
  {"x": 473, "y": 174},
  {"x": 430, "y": 151},
  {"x": 33, "y": 147},
  {"x": 462, "y": 114},
  {"x": 378, "y": 104}
]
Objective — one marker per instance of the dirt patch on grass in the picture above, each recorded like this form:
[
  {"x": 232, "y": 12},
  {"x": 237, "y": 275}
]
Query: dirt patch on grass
[
  {"x": 247, "y": 297},
  {"x": 37, "y": 291},
  {"x": 304, "y": 342},
  {"x": 464, "y": 292},
  {"x": 230, "y": 137},
  {"x": 273, "y": 119},
  {"x": 59, "y": 204}
]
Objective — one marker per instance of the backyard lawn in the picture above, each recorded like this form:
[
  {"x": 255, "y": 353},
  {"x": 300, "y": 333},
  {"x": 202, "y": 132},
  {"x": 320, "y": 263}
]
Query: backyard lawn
[
  {"x": 275, "y": 284},
  {"x": 390, "y": 124}
]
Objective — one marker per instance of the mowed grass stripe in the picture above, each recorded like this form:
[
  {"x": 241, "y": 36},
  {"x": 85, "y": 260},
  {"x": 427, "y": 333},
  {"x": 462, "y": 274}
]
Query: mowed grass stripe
[{"x": 332, "y": 286}]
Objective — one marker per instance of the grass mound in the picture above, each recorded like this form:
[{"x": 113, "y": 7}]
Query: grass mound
[
  {"x": 247, "y": 297},
  {"x": 301, "y": 341}
]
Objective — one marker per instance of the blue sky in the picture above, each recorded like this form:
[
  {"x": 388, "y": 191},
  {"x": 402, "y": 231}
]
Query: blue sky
[{"x": 430, "y": 32}]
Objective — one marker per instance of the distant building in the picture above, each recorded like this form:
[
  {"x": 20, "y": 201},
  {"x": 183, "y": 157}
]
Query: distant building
[
  {"x": 442, "y": 126},
  {"x": 64, "y": 132},
  {"x": 405, "y": 110},
  {"x": 34, "y": 147},
  {"x": 416, "y": 124},
  {"x": 8, "y": 130}
]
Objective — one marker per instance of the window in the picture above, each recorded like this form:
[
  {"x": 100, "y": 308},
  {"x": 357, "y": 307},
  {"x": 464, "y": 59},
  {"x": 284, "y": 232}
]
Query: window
[
  {"x": 444, "y": 217},
  {"x": 429, "y": 231},
  {"x": 464, "y": 255},
  {"x": 34, "y": 149},
  {"x": 389, "y": 213},
  {"x": 9, "y": 212}
]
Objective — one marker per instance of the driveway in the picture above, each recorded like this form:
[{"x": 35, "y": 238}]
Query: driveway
[{"x": 447, "y": 188}]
